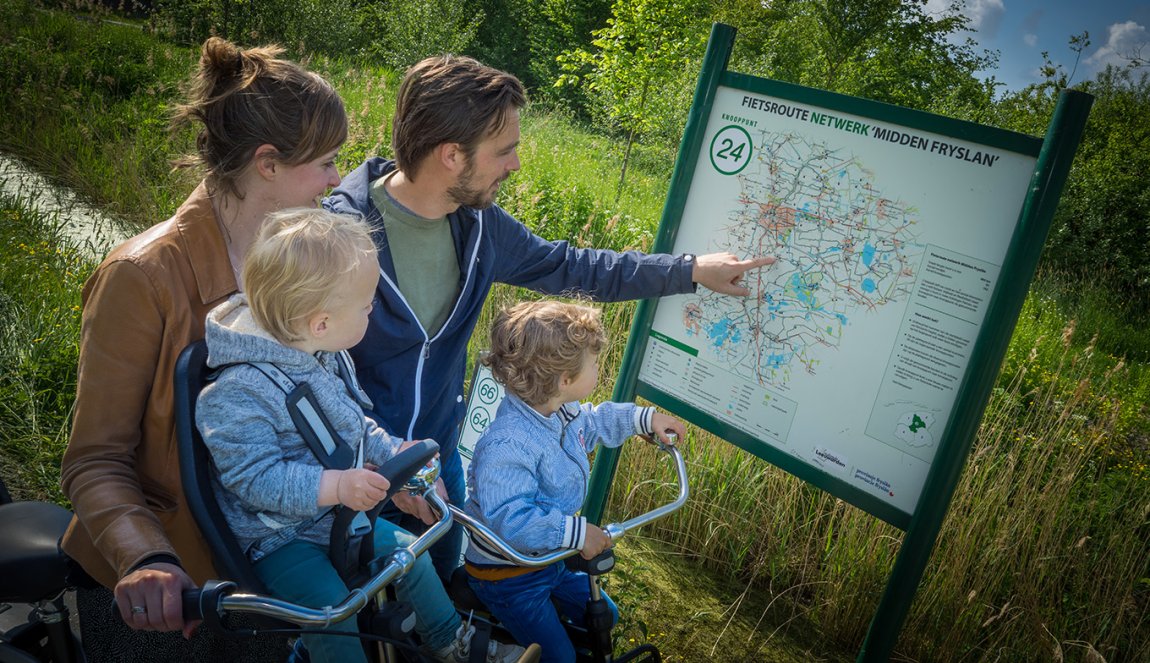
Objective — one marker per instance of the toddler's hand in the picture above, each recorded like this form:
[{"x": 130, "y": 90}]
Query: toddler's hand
[
  {"x": 665, "y": 423},
  {"x": 360, "y": 489},
  {"x": 594, "y": 542}
]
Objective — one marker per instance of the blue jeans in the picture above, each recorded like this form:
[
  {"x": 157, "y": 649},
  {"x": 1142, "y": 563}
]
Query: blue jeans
[
  {"x": 301, "y": 572},
  {"x": 523, "y": 605},
  {"x": 447, "y": 553}
]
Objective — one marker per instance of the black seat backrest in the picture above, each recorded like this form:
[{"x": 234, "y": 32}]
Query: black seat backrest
[{"x": 196, "y": 473}]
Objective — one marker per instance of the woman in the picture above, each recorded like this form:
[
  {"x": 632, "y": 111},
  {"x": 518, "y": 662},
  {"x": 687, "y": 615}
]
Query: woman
[{"x": 269, "y": 133}]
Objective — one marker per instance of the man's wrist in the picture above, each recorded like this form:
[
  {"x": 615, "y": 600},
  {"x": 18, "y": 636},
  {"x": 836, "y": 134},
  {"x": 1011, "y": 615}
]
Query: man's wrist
[{"x": 691, "y": 261}]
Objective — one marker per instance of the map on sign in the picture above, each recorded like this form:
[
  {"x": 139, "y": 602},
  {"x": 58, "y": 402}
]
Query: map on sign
[
  {"x": 844, "y": 248},
  {"x": 847, "y": 356}
]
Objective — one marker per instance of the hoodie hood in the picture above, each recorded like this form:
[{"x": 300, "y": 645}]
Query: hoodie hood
[{"x": 234, "y": 336}]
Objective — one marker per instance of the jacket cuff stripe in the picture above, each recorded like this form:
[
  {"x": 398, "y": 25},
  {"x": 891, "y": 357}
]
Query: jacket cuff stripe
[
  {"x": 574, "y": 532},
  {"x": 643, "y": 420}
]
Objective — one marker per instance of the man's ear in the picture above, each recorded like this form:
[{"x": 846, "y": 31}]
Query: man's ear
[
  {"x": 451, "y": 157},
  {"x": 266, "y": 159}
]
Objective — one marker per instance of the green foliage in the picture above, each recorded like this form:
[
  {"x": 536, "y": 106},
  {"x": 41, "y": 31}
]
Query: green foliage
[
  {"x": 639, "y": 74},
  {"x": 888, "y": 50},
  {"x": 1102, "y": 225},
  {"x": 396, "y": 33},
  {"x": 38, "y": 347},
  {"x": 87, "y": 102},
  {"x": 1103, "y": 221},
  {"x": 301, "y": 25},
  {"x": 526, "y": 37},
  {"x": 399, "y": 33}
]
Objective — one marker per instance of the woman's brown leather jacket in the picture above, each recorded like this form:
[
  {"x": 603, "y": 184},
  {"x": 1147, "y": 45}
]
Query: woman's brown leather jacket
[{"x": 142, "y": 306}]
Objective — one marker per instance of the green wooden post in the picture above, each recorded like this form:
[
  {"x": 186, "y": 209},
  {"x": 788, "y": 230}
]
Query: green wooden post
[
  {"x": 719, "y": 47},
  {"x": 1050, "y": 172}
]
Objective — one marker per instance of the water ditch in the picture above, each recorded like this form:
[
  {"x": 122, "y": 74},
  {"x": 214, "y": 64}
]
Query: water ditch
[{"x": 80, "y": 225}]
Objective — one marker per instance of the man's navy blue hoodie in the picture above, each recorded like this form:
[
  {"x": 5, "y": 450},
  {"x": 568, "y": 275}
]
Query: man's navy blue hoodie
[{"x": 416, "y": 382}]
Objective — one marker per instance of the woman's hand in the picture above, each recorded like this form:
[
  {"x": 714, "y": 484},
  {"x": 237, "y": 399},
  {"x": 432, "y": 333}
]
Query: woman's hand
[{"x": 149, "y": 598}]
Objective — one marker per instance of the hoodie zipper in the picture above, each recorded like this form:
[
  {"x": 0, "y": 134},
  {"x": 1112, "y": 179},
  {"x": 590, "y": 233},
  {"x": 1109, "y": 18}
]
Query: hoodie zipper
[{"x": 425, "y": 354}]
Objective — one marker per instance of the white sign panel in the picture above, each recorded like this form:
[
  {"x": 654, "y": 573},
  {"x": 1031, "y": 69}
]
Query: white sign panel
[{"x": 849, "y": 351}]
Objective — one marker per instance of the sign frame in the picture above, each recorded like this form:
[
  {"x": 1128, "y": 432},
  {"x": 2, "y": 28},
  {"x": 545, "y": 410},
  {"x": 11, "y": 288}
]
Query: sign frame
[{"x": 1053, "y": 154}]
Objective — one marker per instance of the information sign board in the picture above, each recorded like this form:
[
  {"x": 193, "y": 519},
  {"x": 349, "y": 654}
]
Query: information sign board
[{"x": 890, "y": 228}]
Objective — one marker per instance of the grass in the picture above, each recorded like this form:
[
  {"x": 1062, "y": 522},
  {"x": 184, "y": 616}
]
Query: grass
[
  {"x": 1043, "y": 554},
  {"x": 38, "y": 347}
]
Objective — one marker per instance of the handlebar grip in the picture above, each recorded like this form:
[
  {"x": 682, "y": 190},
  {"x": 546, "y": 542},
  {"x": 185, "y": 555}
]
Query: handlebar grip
[
  {"x": 597, "y": 566},
  {"x": 193, "y": 601},
  {"x": 400, "y": 467},
  {"x": 192, "y": 604}
]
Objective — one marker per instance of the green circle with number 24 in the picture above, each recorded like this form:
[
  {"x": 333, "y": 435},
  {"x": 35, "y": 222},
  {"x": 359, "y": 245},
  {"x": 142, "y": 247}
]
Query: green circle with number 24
[{"x": 731, "y": 149}]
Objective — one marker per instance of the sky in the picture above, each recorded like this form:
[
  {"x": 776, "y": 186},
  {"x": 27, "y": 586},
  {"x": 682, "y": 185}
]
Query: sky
[{"x": 1020, "y": 30}]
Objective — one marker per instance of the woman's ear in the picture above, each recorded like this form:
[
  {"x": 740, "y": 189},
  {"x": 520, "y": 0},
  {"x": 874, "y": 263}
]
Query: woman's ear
[{"x": 266, "y": 159}]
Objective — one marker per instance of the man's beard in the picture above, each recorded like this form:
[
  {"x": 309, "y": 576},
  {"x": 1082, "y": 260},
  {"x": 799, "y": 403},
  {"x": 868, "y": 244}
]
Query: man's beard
[{"x": 463, "y": 193}]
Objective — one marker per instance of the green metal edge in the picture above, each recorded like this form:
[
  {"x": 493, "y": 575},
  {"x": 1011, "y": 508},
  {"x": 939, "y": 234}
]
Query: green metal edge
[
  {"x": 1050, "y": 172},
  {"x": 906, "y": 117},
  {"x": 718, "y": 53}
]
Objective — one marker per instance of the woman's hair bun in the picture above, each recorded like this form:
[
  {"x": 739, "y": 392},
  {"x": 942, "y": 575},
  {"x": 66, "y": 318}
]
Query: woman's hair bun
[{"x": 221, "y": 59}]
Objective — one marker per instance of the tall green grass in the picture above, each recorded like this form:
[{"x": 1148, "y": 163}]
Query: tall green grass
[
  {"x": 1043, "y": 555},
  {"x": 40, "y": 280}
]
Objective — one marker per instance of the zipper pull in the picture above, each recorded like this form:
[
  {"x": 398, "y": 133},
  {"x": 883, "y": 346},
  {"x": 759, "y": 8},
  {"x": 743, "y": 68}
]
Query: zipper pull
[{"x": 427, "y": 349}]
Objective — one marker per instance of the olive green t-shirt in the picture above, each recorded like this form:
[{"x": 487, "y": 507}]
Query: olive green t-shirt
[{"x": 426, "y": 267}]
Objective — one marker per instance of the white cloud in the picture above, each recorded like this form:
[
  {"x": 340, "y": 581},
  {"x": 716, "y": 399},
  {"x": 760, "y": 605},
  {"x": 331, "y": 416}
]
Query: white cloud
[
  {"x": 984, "y": 15},
  {"x": 1125, "y": 40},
  {"x": 1030, "y": 39}
]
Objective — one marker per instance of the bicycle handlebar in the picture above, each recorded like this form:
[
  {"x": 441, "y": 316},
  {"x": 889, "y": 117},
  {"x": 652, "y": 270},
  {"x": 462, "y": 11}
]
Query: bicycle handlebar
[
  {"x": 614, "y": 531},
  {"x": 219, "y": 597}
]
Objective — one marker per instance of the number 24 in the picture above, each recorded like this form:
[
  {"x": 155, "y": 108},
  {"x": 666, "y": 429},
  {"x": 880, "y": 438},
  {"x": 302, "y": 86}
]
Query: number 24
[{"x": 727, "y": 153}]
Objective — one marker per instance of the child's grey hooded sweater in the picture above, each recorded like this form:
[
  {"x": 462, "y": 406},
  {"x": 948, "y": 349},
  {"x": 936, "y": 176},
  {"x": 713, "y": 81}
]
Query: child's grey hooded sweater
[{"x": 267, "y": 479}]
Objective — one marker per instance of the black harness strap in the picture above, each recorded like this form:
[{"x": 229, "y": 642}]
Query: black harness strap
[{"x": 334, "y": 453}]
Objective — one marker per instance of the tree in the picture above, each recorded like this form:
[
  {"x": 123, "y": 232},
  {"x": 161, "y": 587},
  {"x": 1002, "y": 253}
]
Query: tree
[
  {"x": 886, "y": 50},
  {"x": 639, "y": 72},
  {"x": 1102, "y": 225}
]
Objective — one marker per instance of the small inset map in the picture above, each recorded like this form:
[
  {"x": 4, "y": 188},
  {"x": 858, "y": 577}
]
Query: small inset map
[
  {"x": 914, "y": 429},
  {"x": 843, "y": 248}
]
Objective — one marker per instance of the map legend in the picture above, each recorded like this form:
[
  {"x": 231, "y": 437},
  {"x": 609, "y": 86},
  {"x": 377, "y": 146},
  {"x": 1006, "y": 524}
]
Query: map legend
[{"x": 676, "y": 369}]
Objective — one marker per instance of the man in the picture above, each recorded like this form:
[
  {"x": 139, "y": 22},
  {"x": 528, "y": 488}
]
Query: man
[{"x": 443, "y": 243}]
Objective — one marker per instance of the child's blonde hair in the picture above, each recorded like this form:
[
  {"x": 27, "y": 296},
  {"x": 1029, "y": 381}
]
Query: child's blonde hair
[
  {"x": 297, "y": 264},
  {"x": 533, "y": 344}
]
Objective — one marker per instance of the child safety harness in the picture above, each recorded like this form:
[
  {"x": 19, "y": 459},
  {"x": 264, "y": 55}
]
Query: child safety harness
[{"x": 333, "y": 452}]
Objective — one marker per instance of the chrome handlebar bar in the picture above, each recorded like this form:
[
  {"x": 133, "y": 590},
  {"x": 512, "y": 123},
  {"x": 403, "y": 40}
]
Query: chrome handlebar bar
[
  {"x": 398, "y": 563},
  {"x": 401, "y": 561},
  {"x": 615, "y": 531}
]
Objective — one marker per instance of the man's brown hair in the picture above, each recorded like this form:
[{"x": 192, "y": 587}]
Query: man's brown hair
[
  {"x": 533, "y": 344},
  {"x": 450, "y": 99}
]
